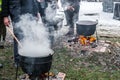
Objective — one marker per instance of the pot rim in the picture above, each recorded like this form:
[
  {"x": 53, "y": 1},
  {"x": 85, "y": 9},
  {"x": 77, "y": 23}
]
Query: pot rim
[{"x": 87, "y": 22}]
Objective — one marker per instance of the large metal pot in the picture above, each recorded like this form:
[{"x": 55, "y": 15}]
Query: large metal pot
[
  {"x": 86, "y": 28},
  {"x": 35, "y": 66}
]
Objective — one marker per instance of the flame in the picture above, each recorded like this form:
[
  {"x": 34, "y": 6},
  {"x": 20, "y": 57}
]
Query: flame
[
  {"x": 84, "y": 40},
  {"x": 92, "y": 39}
]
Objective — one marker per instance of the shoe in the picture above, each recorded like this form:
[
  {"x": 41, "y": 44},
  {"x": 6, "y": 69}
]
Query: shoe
[{"x": 1, "y": 66}]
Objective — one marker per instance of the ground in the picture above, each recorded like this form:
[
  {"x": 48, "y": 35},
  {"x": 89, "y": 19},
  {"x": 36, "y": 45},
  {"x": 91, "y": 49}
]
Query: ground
[{"x": 96, "y": 66}]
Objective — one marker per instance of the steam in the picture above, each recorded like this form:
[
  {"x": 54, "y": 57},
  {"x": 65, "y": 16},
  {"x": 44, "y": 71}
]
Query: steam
[
  {"x": 51, "y": 12},
  {"x": 35, "y": 42},
  {"x": 55, "y": 16},
  {"x": 61, "y": 32}
]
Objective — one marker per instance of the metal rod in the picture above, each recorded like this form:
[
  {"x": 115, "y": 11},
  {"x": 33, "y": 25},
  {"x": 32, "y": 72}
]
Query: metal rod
[
  {"x": 1, "y": 38},
  {"x": 16, "y": 71},
  {"x": 14, "y": 36}
]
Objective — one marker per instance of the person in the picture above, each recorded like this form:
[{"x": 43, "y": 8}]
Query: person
[
  {"x": 2, "y": 27},
  {"x": 51, "y": 21},
  {"x": 42, "y": 4},
  {"x": 2, "y": 30},
  {"x": 71, "y": 10},
  {"x": 14, "y": 9}
]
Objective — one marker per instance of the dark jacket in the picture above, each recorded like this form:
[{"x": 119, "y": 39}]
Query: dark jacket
[
  {"x": 43, "y": 4},
  {"x": 5, "y": 8},
  {"x": 73, "y": 3},
  {"x": 15, "y": 8}
]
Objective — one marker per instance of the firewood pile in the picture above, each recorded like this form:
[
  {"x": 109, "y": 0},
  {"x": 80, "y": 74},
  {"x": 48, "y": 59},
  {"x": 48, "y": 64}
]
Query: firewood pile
[{"x": 52, "y": 76}]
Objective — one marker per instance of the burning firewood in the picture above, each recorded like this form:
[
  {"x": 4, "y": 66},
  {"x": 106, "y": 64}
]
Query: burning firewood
[
  {"x": 86, "y": 40},
  {"x": 82, "y": 40},
  {"x": 49, "y": 74}
]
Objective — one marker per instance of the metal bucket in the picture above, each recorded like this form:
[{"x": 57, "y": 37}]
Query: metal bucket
[
  {"x": 35, "y": 66},
  {"x": 86, "y": 28}
]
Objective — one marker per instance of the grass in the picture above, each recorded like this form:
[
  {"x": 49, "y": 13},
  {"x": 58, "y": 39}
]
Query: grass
[
  {"x": 80, "y": 68},
  {"x": 8, "y": 71},
  {"x": 74, "y": 71}
]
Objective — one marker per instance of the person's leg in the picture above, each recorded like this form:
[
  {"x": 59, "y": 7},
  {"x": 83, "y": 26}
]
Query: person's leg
[
  {"x": 50, "y": 29},
  {"x": 2, "y": 29},
  {"x": 2, "y": 32},
  {"x": 43, "y": 12},
  {"x": 51, "y": 35},
  {"x": 19, "y": 35},
  {"x": 69, "y": 18},
  {"x": 16, "y": 55},
  {"x": 75, "y": 17},
  {"x": 43, "y": 15},
  {"x": 76, "y": 14}
]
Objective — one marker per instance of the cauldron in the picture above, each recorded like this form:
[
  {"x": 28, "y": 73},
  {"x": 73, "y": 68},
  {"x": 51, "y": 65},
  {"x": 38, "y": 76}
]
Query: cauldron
[
  {"x": 35, "y": 66},
  {"x": 86, "y": 28}
]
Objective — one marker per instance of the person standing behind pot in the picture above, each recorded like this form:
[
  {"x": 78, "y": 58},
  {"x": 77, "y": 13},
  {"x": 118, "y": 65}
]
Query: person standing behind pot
[
  {"x": 14, "y": 9},
  {"x": 51, "y": 21},
  {"x": 2, "y": 27},
  {"x": 42, "y": 5},
  {"x": 71, "y": 10},
  {"x": 2, "y": 30}
]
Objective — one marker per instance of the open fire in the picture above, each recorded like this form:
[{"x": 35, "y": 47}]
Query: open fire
[{"x": 84, "y": 40}]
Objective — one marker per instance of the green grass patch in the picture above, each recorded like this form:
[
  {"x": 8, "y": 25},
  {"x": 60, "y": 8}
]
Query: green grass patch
[{"x": 75, "y": 68}]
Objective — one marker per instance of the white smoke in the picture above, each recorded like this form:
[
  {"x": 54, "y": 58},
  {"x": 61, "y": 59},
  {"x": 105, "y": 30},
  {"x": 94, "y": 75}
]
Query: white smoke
[
  {"x": 61, "y": 32},
  {"x": 35, "y": 42},
  {"x": 55, "y": 15}
]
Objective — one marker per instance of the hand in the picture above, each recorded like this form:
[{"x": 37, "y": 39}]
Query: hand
[
  {"x": 70, "y": 8},
  {"x": 38, "y": 16},
  {"x": 39, "y": 19},
  {"x": 40, "y": 0},
  {"x": 6, "y": 21}
]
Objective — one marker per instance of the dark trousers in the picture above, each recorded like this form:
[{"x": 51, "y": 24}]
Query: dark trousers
[
  {"x": 42, "y": 12},
  {"x": 2, "y": 28},
  {"x": 18, "y": 33},
  {"x": 72, "y": 16}
]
